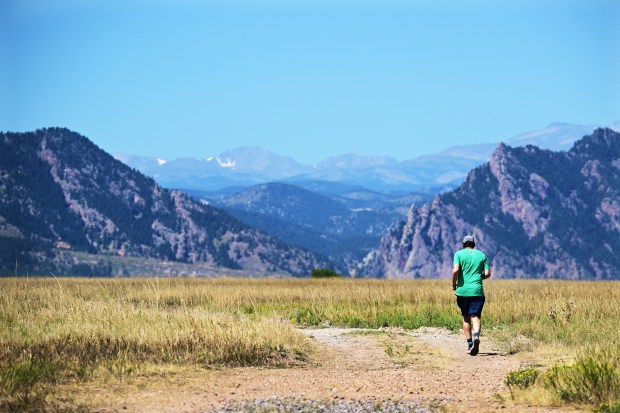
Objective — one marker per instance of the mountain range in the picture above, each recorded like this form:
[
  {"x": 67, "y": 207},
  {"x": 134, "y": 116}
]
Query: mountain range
[
  {"x": 341, "y": 206},
  {"x": 534, "y": 212},
  {"x": 429, "y": 174},
  {"x": 63, "y": 199},
  {"x": 68, "y": 207}
]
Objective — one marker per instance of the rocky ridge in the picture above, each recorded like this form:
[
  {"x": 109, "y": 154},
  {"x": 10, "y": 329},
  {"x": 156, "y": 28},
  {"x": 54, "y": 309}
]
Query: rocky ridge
[
  {"x": 61, "y": 192},
  {"x": 534, "y": 212}
]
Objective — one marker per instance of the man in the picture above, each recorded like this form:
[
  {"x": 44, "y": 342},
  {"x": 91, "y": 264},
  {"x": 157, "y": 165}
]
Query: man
[{"x": 469, "y": 268}]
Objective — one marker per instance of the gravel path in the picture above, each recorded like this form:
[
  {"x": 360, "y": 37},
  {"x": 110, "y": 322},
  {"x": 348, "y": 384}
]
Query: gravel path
[
  {"x": 340, "y": 406},
  {"x": 353, "y": 370}
]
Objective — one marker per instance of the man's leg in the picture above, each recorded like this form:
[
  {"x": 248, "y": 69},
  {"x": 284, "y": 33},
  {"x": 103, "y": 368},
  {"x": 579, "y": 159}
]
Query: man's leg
[
  {"x": 467, "y": 327},
  {"x": 467, "y": 331},
  {"x": 475, "y": 321},
  {"x": 463, "y": 303}
]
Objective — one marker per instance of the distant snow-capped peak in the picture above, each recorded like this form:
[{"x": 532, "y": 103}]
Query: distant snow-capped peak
[
  {"x": 228, "y": 163},
  {"x": 225, "y": 164}
]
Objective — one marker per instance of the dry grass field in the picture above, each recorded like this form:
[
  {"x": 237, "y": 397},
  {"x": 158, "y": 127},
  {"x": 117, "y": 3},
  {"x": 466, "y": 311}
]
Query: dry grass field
[{"x": 59, "y": 333}]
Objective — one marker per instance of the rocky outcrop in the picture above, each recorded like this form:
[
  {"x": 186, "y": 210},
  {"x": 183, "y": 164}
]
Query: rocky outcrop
[
  {"x": 535, "y": 213},
  {"x": 58, "y": 188}
]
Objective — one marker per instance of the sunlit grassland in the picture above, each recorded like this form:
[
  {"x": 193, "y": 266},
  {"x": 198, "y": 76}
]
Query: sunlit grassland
[{"x": 58, "y": 330}]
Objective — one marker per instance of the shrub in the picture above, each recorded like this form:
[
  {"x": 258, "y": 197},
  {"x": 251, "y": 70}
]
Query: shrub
[
  {"x": 592, "y": 379},
  {"x": 606, "y": 408},
  {"x": 22, "y": 383},
  {"x": 324, "y": 273},
  {"x": 522, "y": 378}
]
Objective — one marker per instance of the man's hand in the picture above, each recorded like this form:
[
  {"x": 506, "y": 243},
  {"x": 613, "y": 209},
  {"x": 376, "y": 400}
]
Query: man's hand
[{"x": 455, "y": 274}]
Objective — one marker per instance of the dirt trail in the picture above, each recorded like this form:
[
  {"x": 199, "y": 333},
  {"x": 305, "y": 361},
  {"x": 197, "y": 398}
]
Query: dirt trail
[{"x": 429, "y": 366}]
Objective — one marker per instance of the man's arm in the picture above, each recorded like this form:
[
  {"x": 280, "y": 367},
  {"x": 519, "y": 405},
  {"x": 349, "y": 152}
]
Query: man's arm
[
  {"x": 487, "y": 274},
  {"x": 455, "y": 275}
]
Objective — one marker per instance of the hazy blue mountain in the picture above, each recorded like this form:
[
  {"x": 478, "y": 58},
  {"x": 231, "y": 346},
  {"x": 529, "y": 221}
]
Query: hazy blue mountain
[
  {"x": 341, "y": 222},
  {"x": 241, "y": 166},
  {"x": 379, "y": 179},
  {"x": 358, "y": 197},
  {"x": 316, "y": 222},
  {"x": 328, "y": 188},
  {"x": 534, "y": 212},
  {"x": 255, "y": 160},
  {"x": 557, "y": 136},
  {"x": 429, "y": 174},
  {"x": 355, "y": 161},
  {"x": 60, "y": 193},
  {"x": 452, "y": 165}
]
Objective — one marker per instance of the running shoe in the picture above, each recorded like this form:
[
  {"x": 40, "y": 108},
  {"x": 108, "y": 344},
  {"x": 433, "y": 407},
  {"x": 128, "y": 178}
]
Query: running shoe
[{"x": 474, "y": 349}]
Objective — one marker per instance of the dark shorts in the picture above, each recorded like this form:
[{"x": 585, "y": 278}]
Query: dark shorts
[{"x": 470, "y": 305}]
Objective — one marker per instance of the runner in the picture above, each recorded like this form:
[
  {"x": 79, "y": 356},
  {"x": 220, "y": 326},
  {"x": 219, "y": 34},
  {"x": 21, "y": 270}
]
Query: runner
[{"x": 469, "y": 268}]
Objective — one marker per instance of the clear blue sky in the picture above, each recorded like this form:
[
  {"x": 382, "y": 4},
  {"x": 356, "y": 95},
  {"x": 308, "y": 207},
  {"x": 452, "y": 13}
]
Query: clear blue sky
[{"x": 306, "y": 79}]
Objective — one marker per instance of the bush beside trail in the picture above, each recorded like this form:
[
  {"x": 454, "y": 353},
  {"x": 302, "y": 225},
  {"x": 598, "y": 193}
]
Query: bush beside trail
[{"x": 324, "y": 273}]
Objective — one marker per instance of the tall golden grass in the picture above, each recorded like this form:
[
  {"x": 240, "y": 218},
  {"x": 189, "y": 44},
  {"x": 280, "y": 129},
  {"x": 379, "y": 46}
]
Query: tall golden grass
[{"x": 52, "y": 330}]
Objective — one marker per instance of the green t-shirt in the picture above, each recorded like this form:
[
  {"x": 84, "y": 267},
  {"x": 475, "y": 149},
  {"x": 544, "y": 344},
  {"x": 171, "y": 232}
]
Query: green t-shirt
[{"x": 472, "y": 265}]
